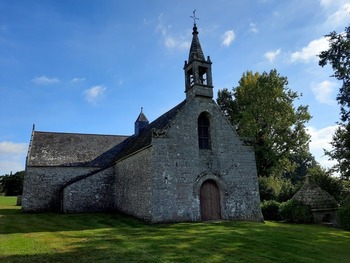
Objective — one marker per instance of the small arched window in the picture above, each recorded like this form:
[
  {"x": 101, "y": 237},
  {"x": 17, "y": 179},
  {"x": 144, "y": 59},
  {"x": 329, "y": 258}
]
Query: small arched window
[{"x": 203, "y": 131}]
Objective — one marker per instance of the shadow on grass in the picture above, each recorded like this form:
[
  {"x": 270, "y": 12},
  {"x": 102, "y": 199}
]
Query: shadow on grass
[
  {"x": 196, "y": 242},
  {"x": 11, "y": 211},
  {"x": 14, "y": 221},
  {"x": 103, "y": 237}
]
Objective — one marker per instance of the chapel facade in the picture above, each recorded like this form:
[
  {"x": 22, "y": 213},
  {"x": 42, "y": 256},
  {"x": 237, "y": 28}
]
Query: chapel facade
[{"x": 187, "y": 165}]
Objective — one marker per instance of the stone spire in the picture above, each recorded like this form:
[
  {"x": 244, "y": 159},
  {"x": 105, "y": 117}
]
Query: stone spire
[
  {"x": 141, "y": 122},
  {"x": 196, "y": 51}
]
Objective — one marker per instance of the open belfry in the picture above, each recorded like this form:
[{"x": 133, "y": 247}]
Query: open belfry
[{"x": 187, "y": 165}]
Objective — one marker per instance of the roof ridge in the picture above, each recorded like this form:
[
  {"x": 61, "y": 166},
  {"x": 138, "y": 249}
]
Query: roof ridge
[{"x": 78, "y": 133}]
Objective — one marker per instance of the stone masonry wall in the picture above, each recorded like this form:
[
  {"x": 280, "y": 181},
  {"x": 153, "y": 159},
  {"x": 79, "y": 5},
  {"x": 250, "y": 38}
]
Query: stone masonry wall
[
  {"x": 133, "y": 184},
  {"x": 182, "y": 167},
  {"x": 95, "y": 193},
  {"x": 41, "y": 189},
  {"x": 173, "y": 180}
]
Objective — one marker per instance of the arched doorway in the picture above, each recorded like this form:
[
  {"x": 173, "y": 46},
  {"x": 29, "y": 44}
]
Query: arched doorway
[{"x": 210, "y": 201}]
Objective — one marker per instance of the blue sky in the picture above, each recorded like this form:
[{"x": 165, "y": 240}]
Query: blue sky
[{"x": 89, "y": 66}]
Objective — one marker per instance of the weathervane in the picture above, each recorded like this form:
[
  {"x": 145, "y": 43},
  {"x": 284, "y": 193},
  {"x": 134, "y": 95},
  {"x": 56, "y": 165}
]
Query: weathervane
[{"x": 194, "y": 17}]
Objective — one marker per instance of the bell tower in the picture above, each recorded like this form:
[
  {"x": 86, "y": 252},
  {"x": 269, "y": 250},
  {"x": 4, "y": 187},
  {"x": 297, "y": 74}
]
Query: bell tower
[{"x": 198, "y": 77}]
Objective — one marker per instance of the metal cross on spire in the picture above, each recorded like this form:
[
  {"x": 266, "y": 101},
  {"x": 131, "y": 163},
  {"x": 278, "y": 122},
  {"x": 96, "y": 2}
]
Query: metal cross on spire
[{"x": 194, "y": 17}]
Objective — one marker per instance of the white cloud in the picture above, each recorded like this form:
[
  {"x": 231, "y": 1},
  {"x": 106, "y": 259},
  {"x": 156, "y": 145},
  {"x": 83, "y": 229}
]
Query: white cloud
[
  {"x": 172, "y": 43},
  {"x": 94, "y": 93},
  {"x": 339, "y": 17},
  {"x": 331, "y": 5},
  {"x": 12, "y": 157},
  {"x": 169, "y": 40},
  {"x": 320, "y": 139},
  {"x": 43, "y": 80},
  {"x": 228, "y": 38},
  {"x": 12, "y": 148},
  {"x": 324, "y": 2},
  {"x": 253, "y": 28},
  {"x": 271, "y": 55},
  {"x": 324, "y": 92},
  {"x": 77, "y": 80},
  {"x": 337, "y": 12},
  {"x": 311, "y": 51}
]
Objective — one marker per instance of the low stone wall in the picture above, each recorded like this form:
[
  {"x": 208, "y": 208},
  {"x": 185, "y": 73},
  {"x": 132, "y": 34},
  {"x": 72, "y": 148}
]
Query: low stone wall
[
  {"x": 325, "y": 216},
  {"x": 92, "y": 194},
  {"x": 42, "y": 185}
]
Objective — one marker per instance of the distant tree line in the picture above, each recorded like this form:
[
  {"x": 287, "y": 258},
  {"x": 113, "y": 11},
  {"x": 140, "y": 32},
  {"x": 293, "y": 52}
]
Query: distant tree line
[{"x": 12, "y": 184}]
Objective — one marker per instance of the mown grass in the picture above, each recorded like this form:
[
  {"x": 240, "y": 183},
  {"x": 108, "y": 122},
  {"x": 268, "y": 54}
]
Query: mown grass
[{"x": 117, "y": 238}]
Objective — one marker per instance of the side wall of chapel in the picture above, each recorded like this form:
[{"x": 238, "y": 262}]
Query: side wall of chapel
[{"x": 133, "y": 184}]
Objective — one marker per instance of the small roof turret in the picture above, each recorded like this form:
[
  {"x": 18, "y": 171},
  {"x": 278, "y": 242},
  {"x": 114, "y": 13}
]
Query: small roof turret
[
  {"x": 142, "y": 117},
  {"x": 141, "y": 122}
]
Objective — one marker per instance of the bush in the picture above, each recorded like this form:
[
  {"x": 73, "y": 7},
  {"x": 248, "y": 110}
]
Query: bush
[
  {"x": 270, "y": 210},
  {"x": 344, "y": 214},
  {"x": 295, "y": 212}
]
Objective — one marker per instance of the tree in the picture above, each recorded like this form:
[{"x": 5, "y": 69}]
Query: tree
[
  {"x": 330, "y": 184},
  {"x": 261, "y": 107},
  {"x": 276, "y": 188},
  {"x": 338, "y": 56},
  {"x": 305, "y": 163},
  {"x": 12, "y": 184},
  {"x": 341, "y": 150}
]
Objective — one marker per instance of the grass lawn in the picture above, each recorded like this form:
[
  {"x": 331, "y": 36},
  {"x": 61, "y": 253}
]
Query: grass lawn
[{"x": 116, "y": 238}]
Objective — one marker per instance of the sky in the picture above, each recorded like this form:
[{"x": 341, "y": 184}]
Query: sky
[{"x": 89, "y": 66}]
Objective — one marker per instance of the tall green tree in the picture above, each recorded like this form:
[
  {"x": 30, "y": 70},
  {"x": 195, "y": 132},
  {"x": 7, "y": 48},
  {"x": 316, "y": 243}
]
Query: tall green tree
[
  {"x": 12, "y": 184},
  {"x": 261, "y": 107},
  {"x": 338, "y": 56}
]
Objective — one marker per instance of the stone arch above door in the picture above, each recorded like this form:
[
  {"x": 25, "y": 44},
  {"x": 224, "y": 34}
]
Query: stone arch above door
[{"x": 210, "y": 176}]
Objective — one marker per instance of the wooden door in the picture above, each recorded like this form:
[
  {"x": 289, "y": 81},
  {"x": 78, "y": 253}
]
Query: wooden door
[{"x": 210, "y": 201}]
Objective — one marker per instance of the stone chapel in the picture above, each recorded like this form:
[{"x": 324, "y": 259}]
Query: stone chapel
[{"x": 187, "y": 165}]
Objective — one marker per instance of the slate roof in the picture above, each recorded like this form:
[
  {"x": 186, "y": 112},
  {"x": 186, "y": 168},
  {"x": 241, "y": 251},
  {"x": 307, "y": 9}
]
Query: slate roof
[
  {"x": 315, "y": 197},
  {"x": 91, "y": 150},
  {"x": 144, "y": 139},
  {"x": 68, "y": 149}
]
